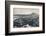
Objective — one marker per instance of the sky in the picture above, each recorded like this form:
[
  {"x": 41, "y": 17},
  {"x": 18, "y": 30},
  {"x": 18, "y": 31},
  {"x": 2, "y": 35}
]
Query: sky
[{"x": 25, "y": 11}]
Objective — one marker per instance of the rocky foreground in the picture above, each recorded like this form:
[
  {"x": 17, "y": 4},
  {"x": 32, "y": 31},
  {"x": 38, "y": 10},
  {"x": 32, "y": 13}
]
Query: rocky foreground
[{"x": 31, "y": 20}]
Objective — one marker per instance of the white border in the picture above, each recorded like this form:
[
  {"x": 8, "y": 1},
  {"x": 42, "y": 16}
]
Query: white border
[{"x": 29, "y": 28}]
